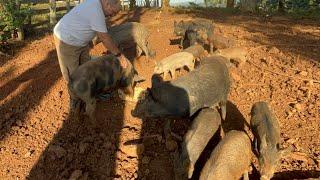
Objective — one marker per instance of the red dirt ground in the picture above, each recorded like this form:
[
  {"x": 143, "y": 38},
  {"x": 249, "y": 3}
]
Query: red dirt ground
[{"x": 38, "y": 139}]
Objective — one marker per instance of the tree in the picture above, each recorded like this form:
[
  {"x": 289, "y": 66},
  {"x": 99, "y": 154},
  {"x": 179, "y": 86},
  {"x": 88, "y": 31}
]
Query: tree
[
  {"x": 230, "y": 3},
  {"x": 68, "y": 5},
  {"x": 53, "y": 12},
  {"x": 13, "y": 17},
  {"x": 147, "y": 3},
  {"x": 132, "y": 4},
  {"x": 165, "y": 4},
  {"x": 248, "y": 5},
  {"x": 281, "y": 6}
]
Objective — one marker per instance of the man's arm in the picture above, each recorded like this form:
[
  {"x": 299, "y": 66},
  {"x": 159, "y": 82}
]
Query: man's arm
[
  {"x": 111, "y": 46},
  {"x": 108, "y": 43}
]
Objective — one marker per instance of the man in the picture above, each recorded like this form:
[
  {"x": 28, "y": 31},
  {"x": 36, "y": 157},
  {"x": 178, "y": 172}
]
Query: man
[{"x": 75, "y": 31}]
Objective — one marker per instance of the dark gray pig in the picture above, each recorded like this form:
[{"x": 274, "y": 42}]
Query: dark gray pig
[
  {"x": 230, "y": 159},
  {"x": 222, "y": 42},
  {"x": 131, "y": 32},
  {"x": 266, "y": 131},
  {"x": 189, "y": 29},
  {"x": 102, "y": 74},
  {"x": 206, "y": 86},
  {"x": 199, "y": 134}
]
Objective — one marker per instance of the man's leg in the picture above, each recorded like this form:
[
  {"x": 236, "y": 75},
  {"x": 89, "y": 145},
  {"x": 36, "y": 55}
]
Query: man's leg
[
  {"x": 84, "y": 55},
  {"x": 69, "y": 61}
]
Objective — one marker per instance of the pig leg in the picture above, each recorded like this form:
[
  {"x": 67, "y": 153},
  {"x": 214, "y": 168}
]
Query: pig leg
[
  {"x": 138, "y": 51},
  {"x": 190, "y": 170},
  {"x": 167, "y": 128},
  {"x": 211, "y": 47},
  {"x": 193, "y": 41},
  {"x": 173, "y": 73},
  {"x": 245, "y": 175},
  {"x": 129, "y": 91},
  {"x": 90, "y": 108},
  {"x": 179, "y": 71},
  {"x": 165, "y": 75},
  {"x": 190, "y": 67},
  {"x": 181, "y": 42},
  {"x": 223, "y": 108},
  {"x": 145, "y": 49},
  {"x": 221, "y": 132},
  {"x": 255, "y": 145},
  {"x": 75, "y": 102}
]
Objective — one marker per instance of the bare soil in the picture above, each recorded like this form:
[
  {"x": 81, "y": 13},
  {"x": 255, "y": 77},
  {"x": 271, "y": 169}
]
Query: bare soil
[{"x": 38, "y": 139}]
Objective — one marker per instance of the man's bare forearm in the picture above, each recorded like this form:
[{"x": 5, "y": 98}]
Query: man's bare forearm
[{"x": 108, "y": 43}]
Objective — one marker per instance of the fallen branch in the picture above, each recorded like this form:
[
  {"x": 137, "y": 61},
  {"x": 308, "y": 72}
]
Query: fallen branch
[{"x": 281, "y": 74}]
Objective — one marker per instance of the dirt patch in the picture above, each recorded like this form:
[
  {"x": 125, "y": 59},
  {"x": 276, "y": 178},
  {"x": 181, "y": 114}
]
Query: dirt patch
[{"x": 39, "y": 140}]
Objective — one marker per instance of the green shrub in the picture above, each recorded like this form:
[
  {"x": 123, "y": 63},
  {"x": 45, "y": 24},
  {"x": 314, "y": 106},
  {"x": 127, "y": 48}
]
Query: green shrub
[{"x": 12, "y": 16}]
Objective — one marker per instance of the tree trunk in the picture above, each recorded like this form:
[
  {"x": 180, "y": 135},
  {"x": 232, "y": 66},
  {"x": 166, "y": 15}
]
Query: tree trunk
[
  {"x": 165, "y": 4},
  {"x": 29, "y": 17},
  {"x": 281, "y": 7},
  {"x": 230, "y": 3},
  {"x": 68, "y": 5},
  {"x": 147, "y": 3},
  {"x": 53, "y": 12},
  {"x": 248, "y": 5},
  {"x": 20, "y": 34},
  {"x": 132, "y": 4},
  {"x": 13, "y": 34},
  {"x": 18, "y": 4}
]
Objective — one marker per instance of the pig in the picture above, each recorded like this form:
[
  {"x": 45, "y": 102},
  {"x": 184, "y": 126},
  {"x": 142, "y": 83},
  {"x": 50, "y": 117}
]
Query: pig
[
  {"x": 218, "y": 40},
  {"x": 203, "y": 127},
  {"x": 230, "y": 159},
  {"x": 197, "y": 51},
  {"x": 222, "y": 42},
  {"x": 203, "y": 32},
  {"x": 131, "y": 31},
  {"x": 206, "y": 86},
  {"x": 236, "y": 55},
  {"x": 173, "y": 62},
  {"x": 102, "y": 74},
  {"x": 266, "y": 131},
  {"x": 189, "y": 29}
]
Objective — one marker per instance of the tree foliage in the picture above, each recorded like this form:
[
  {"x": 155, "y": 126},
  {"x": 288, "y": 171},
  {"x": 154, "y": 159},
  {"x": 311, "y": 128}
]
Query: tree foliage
[
  {"x": 12, "y": 17},
  {"x": 289, "y": 5}
]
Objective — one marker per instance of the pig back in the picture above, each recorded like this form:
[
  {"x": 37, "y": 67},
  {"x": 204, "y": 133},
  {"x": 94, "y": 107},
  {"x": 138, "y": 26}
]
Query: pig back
[
  {"x": 206, "y": 86},
  {"x": 176, "y": 60},
  {"x": 230, "y": 158},
  {"x": 203, "y": 127},
  {"x": 264, "y": 122},
  {"x": 128, "y": 31}
]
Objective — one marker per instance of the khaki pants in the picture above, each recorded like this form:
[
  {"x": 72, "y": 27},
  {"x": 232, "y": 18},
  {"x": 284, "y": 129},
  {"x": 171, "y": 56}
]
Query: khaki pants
[{"x": 70, "y": 58}]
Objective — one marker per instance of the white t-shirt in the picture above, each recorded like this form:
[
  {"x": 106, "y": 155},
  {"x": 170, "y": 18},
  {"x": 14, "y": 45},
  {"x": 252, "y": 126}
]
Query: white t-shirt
[{"x": 79, "y": 26}]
